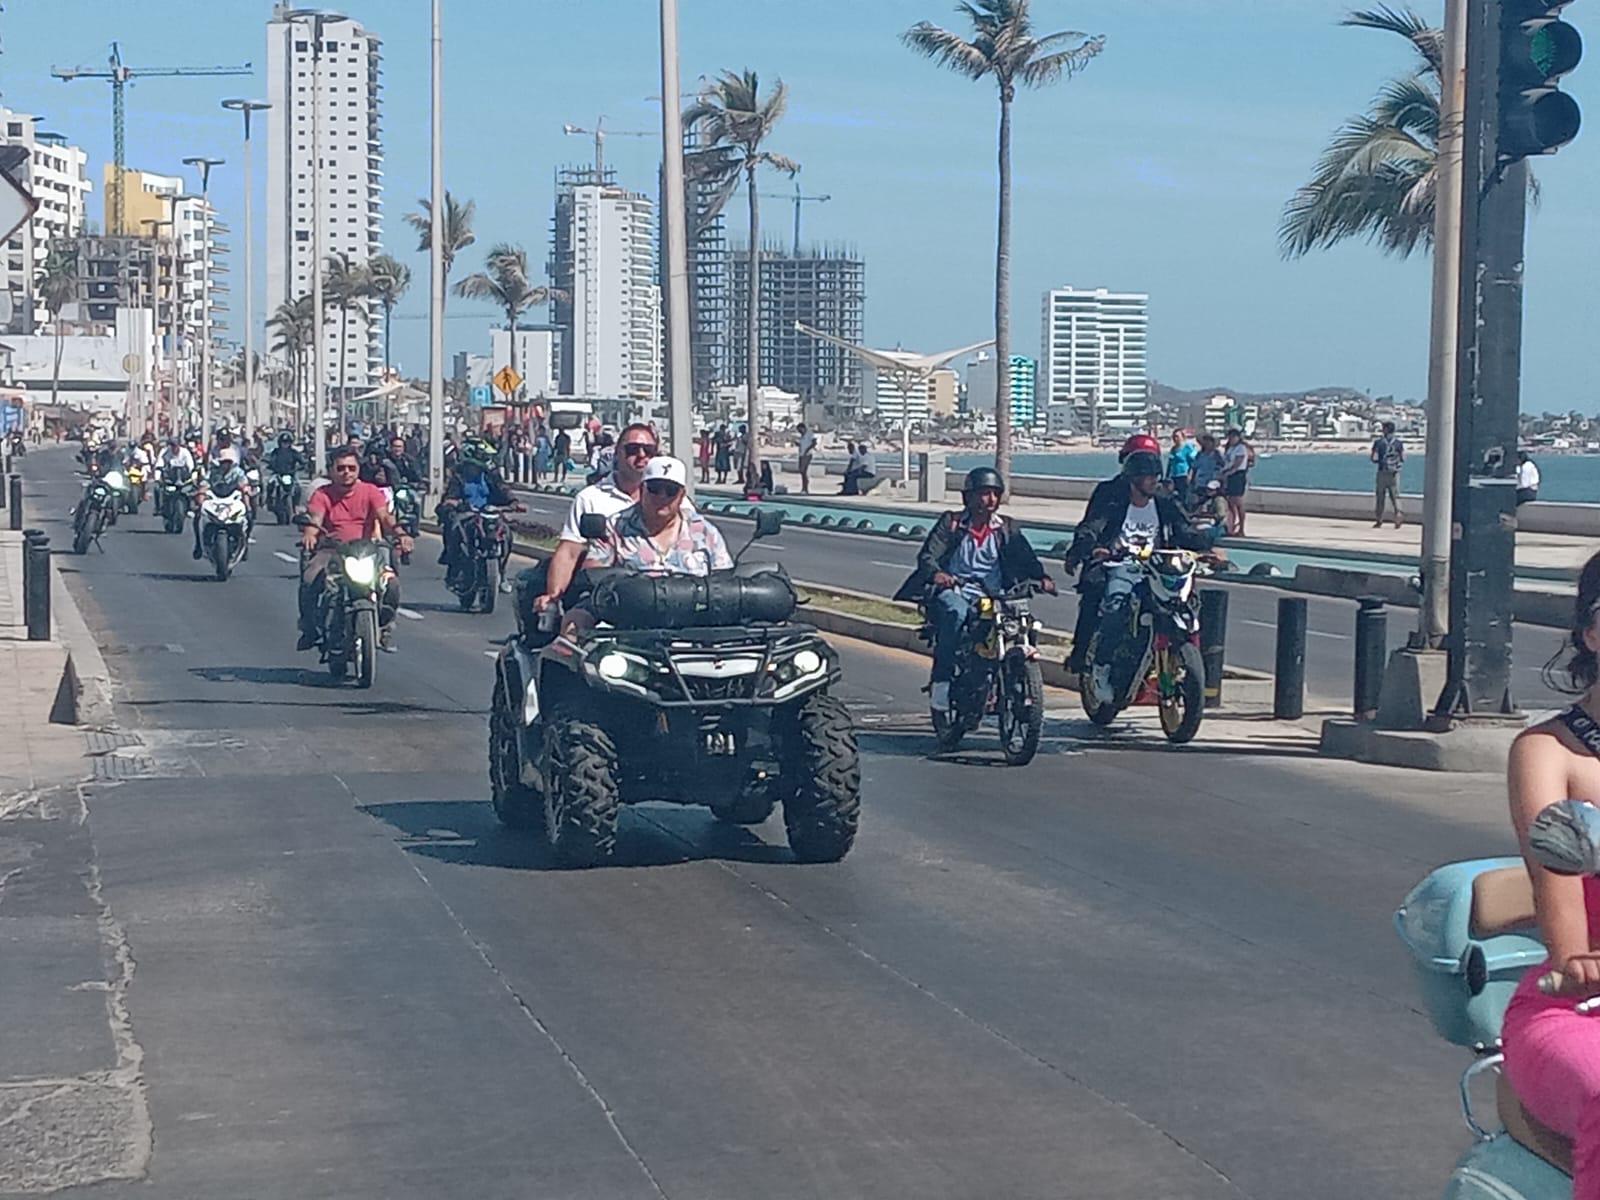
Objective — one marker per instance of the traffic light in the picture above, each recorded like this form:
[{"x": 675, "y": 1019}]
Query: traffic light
[{"x": 1536, "y": 49}]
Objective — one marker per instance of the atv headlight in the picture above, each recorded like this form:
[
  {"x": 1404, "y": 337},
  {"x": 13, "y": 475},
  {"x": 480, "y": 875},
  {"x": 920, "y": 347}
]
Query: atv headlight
[
  {"x": 362, "y": 569},
  {"x": 114, "y": 479},
  {"x": 612, "y": 665},
  {"x": 807, "y": 662}
]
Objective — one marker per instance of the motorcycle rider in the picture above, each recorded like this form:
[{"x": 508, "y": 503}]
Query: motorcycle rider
[
  {"x": 225, "y": 477},
  {"x": 1123, "y": 510},
  {"x": 966, "y": 555},
  {"x": 636, "y": 446},
  {"x": 176, "y": 454},
  {"x": 346, "y": 510},
  {"x": 402, "y": 468},
  {"x": 474, "y": 484},
  {"x": 286, "y": 459}
]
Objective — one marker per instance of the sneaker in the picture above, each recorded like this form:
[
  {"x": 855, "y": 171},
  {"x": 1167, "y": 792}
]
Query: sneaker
[
  {"x": 198, "y": 554},
  {"x": 308, "y": 641},
  {"x": 386, "y": 639},
  {"x": 939, "y": 695}
]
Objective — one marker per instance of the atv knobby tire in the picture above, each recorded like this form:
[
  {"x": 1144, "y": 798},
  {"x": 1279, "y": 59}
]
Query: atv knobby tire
[
  {"x": 516, "y": 805},
  {"x": 822, "y": 771},
  {"x": 581, "y": 800}
]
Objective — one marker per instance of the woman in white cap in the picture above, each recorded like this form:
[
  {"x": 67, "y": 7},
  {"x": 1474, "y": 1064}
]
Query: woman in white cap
[{"x": 656, "y": 536}]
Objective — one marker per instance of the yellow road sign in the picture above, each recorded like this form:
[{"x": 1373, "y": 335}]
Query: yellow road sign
[{"x": 507, "y": 380}]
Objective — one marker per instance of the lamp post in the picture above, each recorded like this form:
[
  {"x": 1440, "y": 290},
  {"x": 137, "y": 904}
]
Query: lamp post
[
  {"x": 680, "y": 371},
  {"x": 172, "y": 309},
  {"x": 318, "y": 20},
  {"x": 204, "y": 166},
  {"x": 251, "y": 414},
  {"x": 436, "y": 270}
]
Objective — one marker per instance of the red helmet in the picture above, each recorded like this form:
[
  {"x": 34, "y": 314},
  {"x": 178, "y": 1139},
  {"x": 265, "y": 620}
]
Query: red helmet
[{"x": 1139, "y": 442}]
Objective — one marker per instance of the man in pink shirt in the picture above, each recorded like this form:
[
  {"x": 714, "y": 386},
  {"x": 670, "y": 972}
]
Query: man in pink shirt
[{"x": 346, "y": 510}]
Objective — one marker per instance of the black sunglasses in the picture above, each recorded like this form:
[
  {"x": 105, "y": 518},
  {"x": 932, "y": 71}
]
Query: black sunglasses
[
  {"x": 663, "y": 487},
  {"x": 632, "y": 449}
]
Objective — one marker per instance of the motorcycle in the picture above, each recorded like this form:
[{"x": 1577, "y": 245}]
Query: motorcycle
[
  {"x": 408, "y": 513},
  {"x": 483, "y": 548},
  {"x": 347, "y": 610},
  {"x": 133, "y": 495},
  {"x": 283, "y": 495},
  {"x": 96, "y": 510},
  {"x": 997, "y": 671},
  {"x": 224, "y": 531},
  {"x": 174, "y": 497},
  {"x": 1159, "y": 660},
  {"x": 253, "y": 474}
]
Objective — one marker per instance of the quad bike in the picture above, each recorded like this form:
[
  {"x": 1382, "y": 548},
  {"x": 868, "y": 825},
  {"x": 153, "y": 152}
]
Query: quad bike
[{"x": 689, "y": 689}]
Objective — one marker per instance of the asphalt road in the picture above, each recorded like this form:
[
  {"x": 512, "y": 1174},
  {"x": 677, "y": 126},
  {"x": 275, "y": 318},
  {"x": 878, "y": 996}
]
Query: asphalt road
[
  {"x": 877, "y": 564},
  {"x": 1125, "y": 971}
]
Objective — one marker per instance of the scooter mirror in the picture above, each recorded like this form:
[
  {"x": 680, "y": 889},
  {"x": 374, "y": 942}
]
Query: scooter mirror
[
  {"x": 592, "y": 526},
  {"x": 769, "y": 522}
]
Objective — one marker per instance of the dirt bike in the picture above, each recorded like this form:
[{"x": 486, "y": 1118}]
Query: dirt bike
[{"x": 996, "y": 671}]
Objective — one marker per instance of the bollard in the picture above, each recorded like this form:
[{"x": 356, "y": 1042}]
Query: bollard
[
  {"x": 1372, "y": 648},
  {"x": 16, "y": 502},
  {"x": 1289, "y": 679},
  {"x": 28, "y": 536},
  {"x": 36, "y": 594},
  {"x": 1213, "y": 640}
]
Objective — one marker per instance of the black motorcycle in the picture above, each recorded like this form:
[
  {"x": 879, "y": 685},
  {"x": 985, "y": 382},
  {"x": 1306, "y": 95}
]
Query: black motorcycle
[
  {"x": 408, "y": 513},
  {"x": 997, "y": 671},
  {"x": 347, "y": 610},
  {"x": 96, "y": 510},
  {"x": 174, "y": 497},
  {"x": 482, "y": 550},
  {"x": 282, "y": 495}
]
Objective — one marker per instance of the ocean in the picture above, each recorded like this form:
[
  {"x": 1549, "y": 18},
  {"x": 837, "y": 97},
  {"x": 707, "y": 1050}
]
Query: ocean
[{"x": 1570, "y": 477}]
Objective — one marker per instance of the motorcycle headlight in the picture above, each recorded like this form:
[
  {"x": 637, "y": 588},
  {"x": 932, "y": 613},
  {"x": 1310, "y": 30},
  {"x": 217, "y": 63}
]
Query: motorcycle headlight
[
  {"x": 612, "y": 665},
  {"x": 253, "y": 475},
  {"x": 807, "y": 662},
  {"x": 286, "y": 480},
  {"x": 115, "y": 479},
  {"x": 362, "y": 569}
]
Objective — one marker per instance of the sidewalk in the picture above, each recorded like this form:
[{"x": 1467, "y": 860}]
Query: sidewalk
[{"x": 39, "y": 752}]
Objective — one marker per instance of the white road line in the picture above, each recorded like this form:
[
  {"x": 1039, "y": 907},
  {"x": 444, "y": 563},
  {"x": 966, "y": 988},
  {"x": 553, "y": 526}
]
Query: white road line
[
  {"x": 1337, "y": 637},
  {"x": 408, "y": 614},
  {"x": 491, "y": 654},
  {"x": 288, "y": 558},
  {"x": 878, "y": 562}
]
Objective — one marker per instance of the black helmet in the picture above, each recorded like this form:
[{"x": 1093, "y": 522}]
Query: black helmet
[
  {"x": 286, "y": 438},
  {"x": 982, "y": 477},
  {"x": 1141, "y": 462}
]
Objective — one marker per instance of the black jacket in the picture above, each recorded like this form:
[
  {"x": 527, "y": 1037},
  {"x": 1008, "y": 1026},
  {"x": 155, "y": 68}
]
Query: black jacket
[
  {"x": 1018, "y": 561},
  {"x": 1102, "y": 523}
]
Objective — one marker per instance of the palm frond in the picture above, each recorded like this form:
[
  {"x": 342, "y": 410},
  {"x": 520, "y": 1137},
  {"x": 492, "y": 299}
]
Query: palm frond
[
  {"x": 1412, "y": 104},
  {"x": 949, "y": 50},
  {"x": 1428, "y": 40},
  {"x": 1049, "y": 68}
]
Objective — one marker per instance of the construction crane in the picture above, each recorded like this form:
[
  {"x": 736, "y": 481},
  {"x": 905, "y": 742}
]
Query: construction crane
[
  {"x": 120, "y": 75},
  {"x": 798, "y": 201},
  {"x": 600, "y": 133}
]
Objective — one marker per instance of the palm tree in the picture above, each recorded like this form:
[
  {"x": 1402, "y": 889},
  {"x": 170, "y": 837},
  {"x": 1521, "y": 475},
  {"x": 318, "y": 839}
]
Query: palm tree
[
  {"x": 1004, "y": 48},
  {"x": 293, "y": 323},
  {"x": 506, "y": 283},
  {"x": 458, "y": 233},
  {"x": 388, "y": 280},
  {"x": 1376, "y": 176},
  {"x": 56, "y": 286},
  {"x": 735, "y": 122},
  {"x": 345, "y": 286}
]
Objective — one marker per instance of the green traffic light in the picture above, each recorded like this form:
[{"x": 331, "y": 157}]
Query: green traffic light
[{"x": 1554, "y": 49}]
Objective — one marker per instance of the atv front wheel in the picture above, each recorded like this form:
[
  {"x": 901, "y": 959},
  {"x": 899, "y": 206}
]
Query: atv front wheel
[
  {"x": 822, "y": 768},
  {"x": 581, "y": 801},
  {"x": 516, "y": 805}
]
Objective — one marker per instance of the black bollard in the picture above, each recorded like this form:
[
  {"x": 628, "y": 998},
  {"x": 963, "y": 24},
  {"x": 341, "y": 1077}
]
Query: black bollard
[
  {"x": 28, "y": 536},
  {"x": 16, "y": 502},
  {"x": 1213, "y": 640},
  {"x": 1289, "y": 680},
  {"x": 36, "y": 594},
  {"x": 1372, "y": 648}
]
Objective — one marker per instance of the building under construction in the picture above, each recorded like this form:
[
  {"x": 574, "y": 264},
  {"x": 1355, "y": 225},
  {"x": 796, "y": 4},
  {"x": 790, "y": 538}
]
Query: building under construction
[
  {"x": 825, "y": 288},
  {"x": 124, "y": 272}
]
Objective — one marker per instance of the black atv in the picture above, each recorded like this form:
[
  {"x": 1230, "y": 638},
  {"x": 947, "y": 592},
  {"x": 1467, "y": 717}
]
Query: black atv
[{"x": 692, "y": 690}]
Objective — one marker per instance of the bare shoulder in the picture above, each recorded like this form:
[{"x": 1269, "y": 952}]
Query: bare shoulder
[{"x": 1541, "y": 744}]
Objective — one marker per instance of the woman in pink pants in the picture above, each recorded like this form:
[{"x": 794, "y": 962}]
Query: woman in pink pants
[{"x": 1552, "y": 1051}]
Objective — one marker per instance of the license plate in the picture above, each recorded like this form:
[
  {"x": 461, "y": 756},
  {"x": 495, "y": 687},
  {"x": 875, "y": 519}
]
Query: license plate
[{"x": 721, "y": 743}]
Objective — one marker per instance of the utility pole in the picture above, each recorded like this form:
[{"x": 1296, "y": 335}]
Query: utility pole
[
  {"x": 252, "y": 413},
  {"x": 204, "y": 165},
  {"x": 680, "y": 371},
  {"x": 436, "y": 271}
]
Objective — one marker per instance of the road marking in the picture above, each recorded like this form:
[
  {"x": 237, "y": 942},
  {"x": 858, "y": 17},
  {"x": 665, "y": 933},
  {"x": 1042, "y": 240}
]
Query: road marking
[
  {"x": 408, "y": 614},
  {"x": 491, "y": 654},
  {"x": 878, "y": 562},
  {"x": 288, "y": 558},
  {"x": 1337, "y": 637}
]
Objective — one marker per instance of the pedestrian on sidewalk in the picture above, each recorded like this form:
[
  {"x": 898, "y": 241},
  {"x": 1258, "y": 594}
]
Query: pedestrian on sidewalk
[
  {"x": 563, "y": 453},
  {"x": 1527, "y": 479},
  {"x": 724, "y": 453},
  {"x": 808, "y": 447},
  {"x": 703, "y": 454},
  {"x": 1180, "y": 464},
  {"x": 1389, "y": 452},
  {"x": 1236, "y": 459}
]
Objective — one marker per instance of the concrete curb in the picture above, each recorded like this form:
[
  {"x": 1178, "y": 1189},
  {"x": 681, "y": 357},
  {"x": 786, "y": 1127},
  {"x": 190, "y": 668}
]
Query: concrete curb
[
  {"x": 87, "y": 679},
  {"x": 1455, "y": 750}
]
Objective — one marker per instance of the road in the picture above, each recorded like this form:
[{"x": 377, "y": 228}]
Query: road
[
  {"x": 1125, "y": 971},
  {"x": 876, "y": 564}
]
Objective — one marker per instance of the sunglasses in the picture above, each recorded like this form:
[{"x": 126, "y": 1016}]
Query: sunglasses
[
  {"x": 663, "y": 487},
  {"x": 638, "y": 449},
  {"x": 347, "y": 466}
]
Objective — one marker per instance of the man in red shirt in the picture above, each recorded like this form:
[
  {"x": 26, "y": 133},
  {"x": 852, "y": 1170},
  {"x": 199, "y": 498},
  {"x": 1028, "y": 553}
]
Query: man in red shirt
[{"x": 346, "y": 510}]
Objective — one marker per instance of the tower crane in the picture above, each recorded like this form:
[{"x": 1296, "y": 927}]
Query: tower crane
[
  {"x": 798, "y": 201},
  {"x": 600, "y": 133},
  {"x": 120, "y": 75}
]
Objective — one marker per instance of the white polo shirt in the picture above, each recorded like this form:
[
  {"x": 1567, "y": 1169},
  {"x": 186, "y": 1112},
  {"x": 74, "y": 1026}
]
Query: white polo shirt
[{"x": 605, "y": 498}]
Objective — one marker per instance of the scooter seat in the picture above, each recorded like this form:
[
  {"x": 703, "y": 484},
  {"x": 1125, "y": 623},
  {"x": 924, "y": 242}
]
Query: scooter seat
[{"x": 1528, "y": 1131}]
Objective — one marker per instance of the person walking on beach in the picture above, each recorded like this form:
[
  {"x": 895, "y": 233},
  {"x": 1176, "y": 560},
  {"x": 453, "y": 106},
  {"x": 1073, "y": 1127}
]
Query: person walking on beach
[
  {"x": 1235, "y": 479},
  {"x": 1389, "y": 453},
  {"x": 1527, "y": 479}
]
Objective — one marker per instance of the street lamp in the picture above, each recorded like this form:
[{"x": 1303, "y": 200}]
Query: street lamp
[
  {"x": 204, "y": 166},
  {"x": 436, "y": 270},
  {"x": 252, "y": 416},
  {"x": 172, "y": 309},
  {"x": 680, "y": 371},
  {"x": 318, "y": 19}
]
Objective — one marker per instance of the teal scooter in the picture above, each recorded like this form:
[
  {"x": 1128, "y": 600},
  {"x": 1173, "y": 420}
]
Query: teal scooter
[{"x": 1472, "y": 935}]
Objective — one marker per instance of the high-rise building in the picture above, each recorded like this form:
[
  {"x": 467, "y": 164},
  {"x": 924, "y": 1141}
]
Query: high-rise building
[
  {"x": 707, "y": 246},
  {"x": 943, "y": 399},
  {"x": 345, "y": 90},
  {"x": 56, "y": 173},
  {"x": 824, "y": 288},
  {"x": 603, "y": 257},
  {"x": 1094, "y": 345},
  {"x": 1023, "y": 378}
]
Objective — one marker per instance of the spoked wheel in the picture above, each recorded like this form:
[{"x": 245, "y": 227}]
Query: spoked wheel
[
  {"x": 516, "y": 805},
  {"x": 1021, "y": 709},
  {"x": 366, "y": 647},
  {"x": 1182, "y": 676}
]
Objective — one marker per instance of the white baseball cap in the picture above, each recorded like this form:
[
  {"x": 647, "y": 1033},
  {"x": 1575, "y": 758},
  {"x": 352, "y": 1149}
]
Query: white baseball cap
[{"x": 664, "y": 466}]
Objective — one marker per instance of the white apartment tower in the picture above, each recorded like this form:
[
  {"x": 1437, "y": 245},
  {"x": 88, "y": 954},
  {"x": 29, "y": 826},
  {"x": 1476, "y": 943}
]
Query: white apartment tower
[
  {"x": 57, "y": 174},
  {"x": 616, "y": 297},
  {"x": 348, "y": 157},
  {"x": 1093, "y": 354}
]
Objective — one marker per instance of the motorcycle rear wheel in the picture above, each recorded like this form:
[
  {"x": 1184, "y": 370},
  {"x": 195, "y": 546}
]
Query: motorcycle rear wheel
[
  {"x": 1182, "y": 712},
  {"x": 1021, "y": 710}
]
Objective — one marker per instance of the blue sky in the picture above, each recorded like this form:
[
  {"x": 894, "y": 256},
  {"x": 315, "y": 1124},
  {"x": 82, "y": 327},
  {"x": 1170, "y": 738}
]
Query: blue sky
[{"x": 1161, "y": 168}]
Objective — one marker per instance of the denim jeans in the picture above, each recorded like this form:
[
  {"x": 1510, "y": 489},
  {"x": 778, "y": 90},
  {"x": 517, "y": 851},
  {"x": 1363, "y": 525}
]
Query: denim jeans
[
  {"x": 948, "y": 610},
  {"x": 1121, "y": 579}
]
